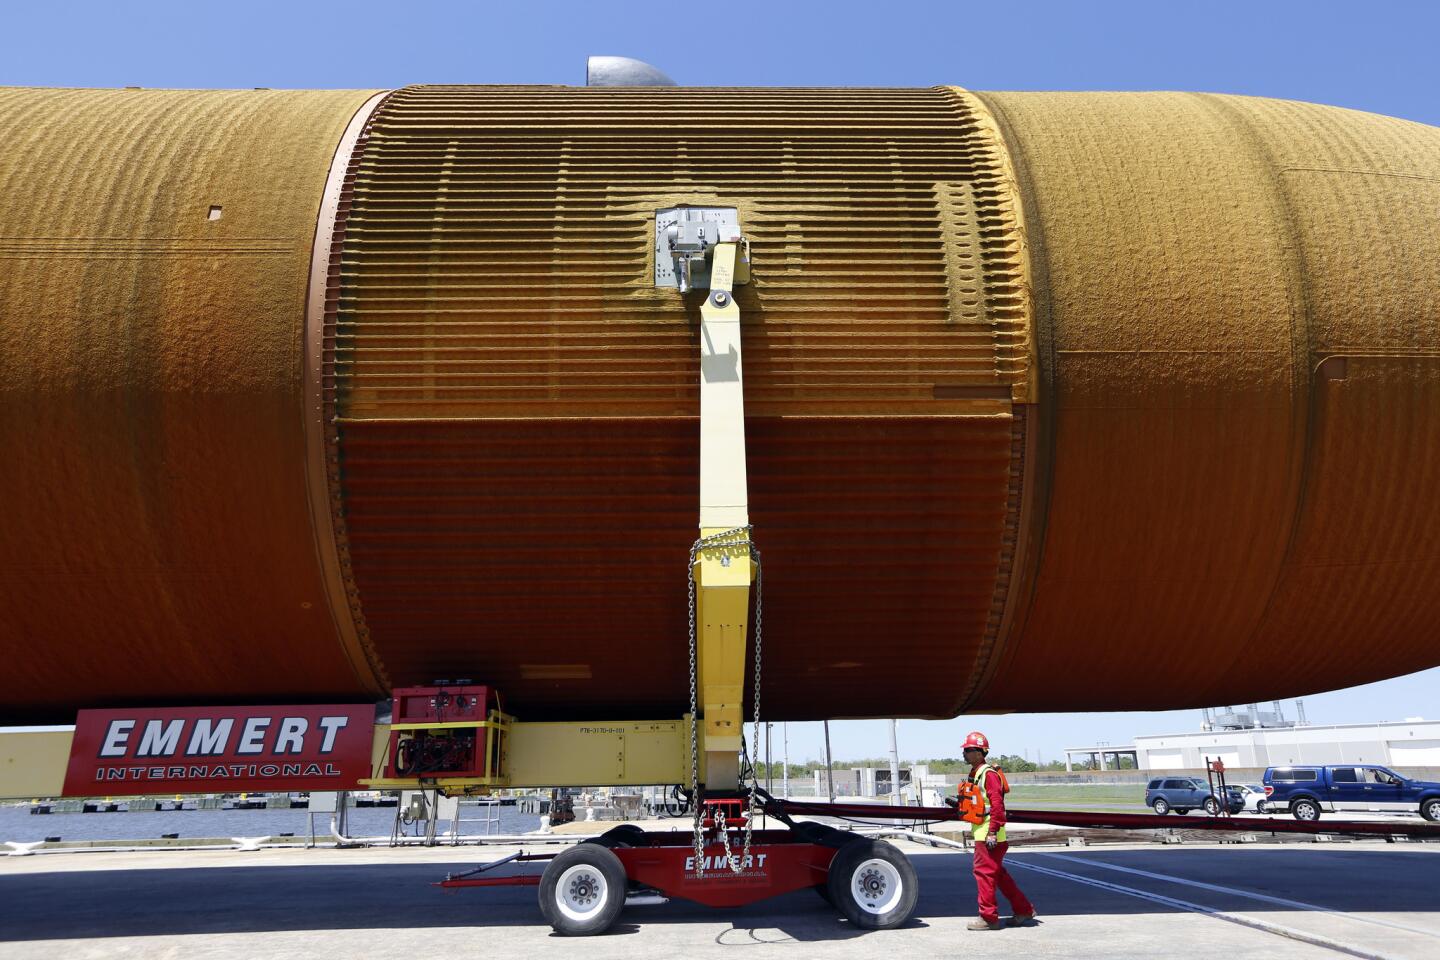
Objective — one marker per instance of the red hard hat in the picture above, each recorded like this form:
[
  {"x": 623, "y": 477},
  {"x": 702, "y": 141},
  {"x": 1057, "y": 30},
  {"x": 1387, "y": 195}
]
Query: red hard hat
[{"x": 976, "y": 739}]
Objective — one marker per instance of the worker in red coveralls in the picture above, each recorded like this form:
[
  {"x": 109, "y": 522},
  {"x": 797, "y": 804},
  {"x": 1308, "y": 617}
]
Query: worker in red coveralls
[{"x": 982, "y": 804}]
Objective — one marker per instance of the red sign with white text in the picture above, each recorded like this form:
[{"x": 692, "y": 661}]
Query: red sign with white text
[{"x": 220, "y": 749}]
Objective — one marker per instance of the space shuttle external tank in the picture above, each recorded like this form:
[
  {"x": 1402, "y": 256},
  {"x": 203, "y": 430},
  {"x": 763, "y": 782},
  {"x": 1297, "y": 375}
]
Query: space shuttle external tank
[{"x": 1053, "y": 401}]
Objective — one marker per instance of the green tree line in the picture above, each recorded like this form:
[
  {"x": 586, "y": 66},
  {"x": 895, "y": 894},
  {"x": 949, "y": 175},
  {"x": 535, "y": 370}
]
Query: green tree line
[{"x": 940, "y": 765}]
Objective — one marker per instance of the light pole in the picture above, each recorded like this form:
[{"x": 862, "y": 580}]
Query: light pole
[
  {"x": 894, "y": 766},
  {"x": 785, "y": 774},
  {"x": 829, "y": 775}
]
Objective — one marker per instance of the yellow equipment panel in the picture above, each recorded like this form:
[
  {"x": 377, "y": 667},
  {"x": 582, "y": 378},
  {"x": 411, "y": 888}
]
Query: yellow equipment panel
[{"x": 632, "y": 753}]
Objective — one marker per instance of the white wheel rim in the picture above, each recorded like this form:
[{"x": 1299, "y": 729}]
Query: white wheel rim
[
  {"x": 581, "y": 892},
  {"x": 876, "y": 886}
]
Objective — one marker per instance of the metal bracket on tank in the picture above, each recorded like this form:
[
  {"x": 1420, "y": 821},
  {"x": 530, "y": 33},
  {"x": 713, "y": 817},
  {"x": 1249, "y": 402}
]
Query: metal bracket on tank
[{"x": 685, "y": 239}]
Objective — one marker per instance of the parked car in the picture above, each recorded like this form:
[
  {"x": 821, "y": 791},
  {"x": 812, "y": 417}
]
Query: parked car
[
  {"x": 1308, "y": 791},
  {"x": 1183, "y": 794},
  {"x": 1252, "y": 795}
]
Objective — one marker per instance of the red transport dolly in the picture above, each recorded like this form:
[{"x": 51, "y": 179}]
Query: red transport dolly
[{"x": 584, "y": 888}]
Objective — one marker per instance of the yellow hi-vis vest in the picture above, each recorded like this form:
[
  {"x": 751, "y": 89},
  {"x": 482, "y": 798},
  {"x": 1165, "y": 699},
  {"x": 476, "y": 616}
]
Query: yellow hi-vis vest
[{"x": 979, "y": 831}]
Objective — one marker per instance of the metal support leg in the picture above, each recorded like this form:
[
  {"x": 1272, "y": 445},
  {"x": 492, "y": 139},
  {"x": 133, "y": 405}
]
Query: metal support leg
[{"x": 723, "y": 571}]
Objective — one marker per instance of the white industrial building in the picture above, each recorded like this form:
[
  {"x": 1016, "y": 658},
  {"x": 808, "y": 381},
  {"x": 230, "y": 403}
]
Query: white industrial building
[{"x": 1409, "y": 743}]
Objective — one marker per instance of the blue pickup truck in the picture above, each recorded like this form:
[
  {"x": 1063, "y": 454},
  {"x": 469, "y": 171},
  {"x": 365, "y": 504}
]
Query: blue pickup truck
[{"x": 1307, "y": 791}]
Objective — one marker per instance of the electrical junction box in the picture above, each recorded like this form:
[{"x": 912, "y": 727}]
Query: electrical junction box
[
  {"x": 440, "y": 704},
  {"x": 440, "y": 731}
]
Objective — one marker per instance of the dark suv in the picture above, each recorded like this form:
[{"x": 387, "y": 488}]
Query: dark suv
[{"x": 1183, "y": 794}]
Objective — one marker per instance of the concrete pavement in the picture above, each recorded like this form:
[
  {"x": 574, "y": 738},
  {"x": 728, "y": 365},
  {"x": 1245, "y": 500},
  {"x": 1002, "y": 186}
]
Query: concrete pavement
[{"x": 1366, "y": 899}]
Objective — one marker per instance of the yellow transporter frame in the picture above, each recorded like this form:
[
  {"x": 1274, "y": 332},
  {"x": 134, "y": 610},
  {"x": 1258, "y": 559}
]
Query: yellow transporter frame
[
  {"x": 610, "y": 753},
  {"x": 519, "y": 754},
  {"x": 630, "y": 752}
]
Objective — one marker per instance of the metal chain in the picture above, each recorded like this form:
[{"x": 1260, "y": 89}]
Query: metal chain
[
  {"x": 699, "y": 839},
  {"x": 736, "y": 537},
  {"x": 754, "y": 723}
]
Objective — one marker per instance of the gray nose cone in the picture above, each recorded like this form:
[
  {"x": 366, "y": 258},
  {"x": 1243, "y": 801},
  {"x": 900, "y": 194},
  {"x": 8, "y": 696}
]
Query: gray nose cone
[{"x": 623, "y": 72}]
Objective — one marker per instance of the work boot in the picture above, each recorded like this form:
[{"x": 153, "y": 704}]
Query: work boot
[
  {"x": 980, "y": 923},
  {"x": 1020, "y": 919}
]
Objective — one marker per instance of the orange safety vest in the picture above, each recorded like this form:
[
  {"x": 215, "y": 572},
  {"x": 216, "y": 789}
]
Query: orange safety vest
[{"x": 974, "y": 805}]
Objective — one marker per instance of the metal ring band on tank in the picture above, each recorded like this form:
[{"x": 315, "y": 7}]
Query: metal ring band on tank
[{"x": 322, "y": 457}]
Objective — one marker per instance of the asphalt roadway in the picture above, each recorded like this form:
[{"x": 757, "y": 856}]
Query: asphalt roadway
[{"x": 1368, "y": 899}]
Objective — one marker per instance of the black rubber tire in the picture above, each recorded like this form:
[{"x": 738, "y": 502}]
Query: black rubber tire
[
  {"x": 603, "y": 865},
  {"x": 1212, "y": 806},
  {"x": 845, "y": 879},
  {"x": 1161, "y": 806},
  {"x": 625, "y": 835},
  {"x": 1430, "y": 809},
  {"x": 1181, "y": 811},
  {"x": 1305, "y": 809},
  {"x": 1259, "y": 806},
  {"x": 823, "y": 889}
]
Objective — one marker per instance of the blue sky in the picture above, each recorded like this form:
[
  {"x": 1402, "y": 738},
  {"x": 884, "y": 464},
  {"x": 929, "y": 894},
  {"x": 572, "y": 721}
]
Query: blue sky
[
  {"x": 1376, "y": 56},
  {"x": 1379, "y": 57},
  {"x": 1047, "y": 734}
]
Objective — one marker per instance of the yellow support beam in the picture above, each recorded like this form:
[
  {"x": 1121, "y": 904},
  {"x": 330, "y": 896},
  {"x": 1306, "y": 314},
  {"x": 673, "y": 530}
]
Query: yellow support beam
[
  {"x": 723, "y": 573},
  {"x": 723, "y": 569},
  {"x": 724, "y": 491}
]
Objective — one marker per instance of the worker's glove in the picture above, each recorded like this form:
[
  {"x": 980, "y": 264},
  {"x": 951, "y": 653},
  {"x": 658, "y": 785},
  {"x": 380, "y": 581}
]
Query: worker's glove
[
  {"x": 990, "y": 841},
  {"x": 952, "y": 802}
]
